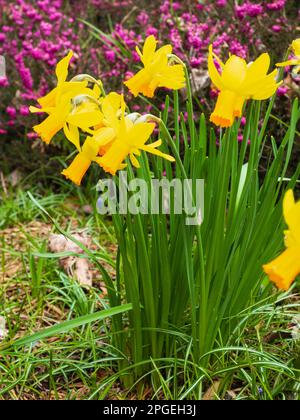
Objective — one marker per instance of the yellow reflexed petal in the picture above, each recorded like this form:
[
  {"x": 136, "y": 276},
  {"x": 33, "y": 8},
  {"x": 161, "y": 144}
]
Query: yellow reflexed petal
[
  {"x": 139, "y": 83},
  {"x": 172, "y": 77},
  {"x": 149, "y": 50},
  {"x": 114, "y": 157},
  {"x": 292, "y": 62},
  {"x": 90, "y": 148},
  {"x": 72, "y": 134},
  {"x": 296, "y": 46},
  {"x": 49, "y": 127},
  {"x": 213, "y": 72},
  {"x": 234, "y": 73},
  {"x": 48, "y": 100},
  {"x": 104, "y": 135},
  {"x": 223, "y": 114},
  {"x": 85, "y": 119},
  {"x": 284, "y": 269},
  {"x": 62, "y": 68},
  {"x": 267, "y": 92},
  {"x": 78, "y": 168},
  {"x": 97, "y": 89},
  {"x": 259, "y": 67},
  {"x": 264, "y": 87},
  {"x": 291, "y": 211},
  {"x": 151, "y": 148},
  {"x": 110, "y": 106},
  {"x": 68, "y": 90},
  {"x": 34, "y": 109},
  {"x": 134, "y": 161},
  {"x": 256, "y": 72},
  {"x": 139, "y": 134},
  {"x": 160, "y": 59}
]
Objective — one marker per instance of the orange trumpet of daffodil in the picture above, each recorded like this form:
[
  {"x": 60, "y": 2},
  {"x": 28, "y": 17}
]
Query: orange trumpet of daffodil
[
  {"x": 284, "y": 269},
  {"x": 157, "y": 72},
  {"x": 237, "y": 83}
]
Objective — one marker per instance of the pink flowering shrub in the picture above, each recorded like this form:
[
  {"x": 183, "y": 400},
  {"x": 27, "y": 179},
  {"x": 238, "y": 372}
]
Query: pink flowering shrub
[
  {"x": 35, "y": 34},
  {"x": 245, "y": 30}
]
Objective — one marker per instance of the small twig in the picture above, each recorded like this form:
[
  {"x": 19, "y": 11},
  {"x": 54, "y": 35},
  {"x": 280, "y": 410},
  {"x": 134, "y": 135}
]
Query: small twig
[{"x": 3, "y": 183}]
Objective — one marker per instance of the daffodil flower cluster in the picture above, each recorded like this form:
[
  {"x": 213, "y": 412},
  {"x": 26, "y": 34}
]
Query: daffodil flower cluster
[{"x": 112, "y": 134}]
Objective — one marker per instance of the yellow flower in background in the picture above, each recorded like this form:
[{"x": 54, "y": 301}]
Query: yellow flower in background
[
  {"x": 60, "y": 109},
  {"x": 157, "y": 71},
  {"x": 237, "y": 83},
  {"x": 284, "y": 269},
  {"x": 295, "y": 46}
]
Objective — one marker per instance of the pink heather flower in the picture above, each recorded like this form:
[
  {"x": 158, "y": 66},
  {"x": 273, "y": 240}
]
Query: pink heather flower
[
  {"x": 176, "y": 6},
  {"x": 136, "y": 108},
  {"x": 213, "y": 93},
  {"x": 143, "y": 18},
  {"x": 11, "y": 112},
  {"x": 196, "y": 62},
  {"x": 128, "y": 75},
  {"x": 276, "y": 28},
  {"x": 110, "y": 56},
  {"x": 32, "y": 135},
  {"x": 2, "y": 131},
  {"x": 6, "y": 28},
  {"x": 276, "y": 5},
  {"x": 2, "y": 37},
  {"x": 221, "y": 3},
  {"x": 3, "y": 82},
  {"x": 248, "y": 9},
  {"x": 243, "y": 121},
  {"x": 24, "y": 111},
  {"x": 238, "y": 49},
  {"x": 135, "y": 56},
  {"x": 152, "y": 31},
  {"x": 282, "y": 90}
]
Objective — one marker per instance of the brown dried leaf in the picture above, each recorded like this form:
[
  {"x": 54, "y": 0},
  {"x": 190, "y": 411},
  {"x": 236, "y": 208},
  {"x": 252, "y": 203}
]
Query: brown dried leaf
[
  {"x": 74, "y": 266},
  {"x": 212, "y": 390}
]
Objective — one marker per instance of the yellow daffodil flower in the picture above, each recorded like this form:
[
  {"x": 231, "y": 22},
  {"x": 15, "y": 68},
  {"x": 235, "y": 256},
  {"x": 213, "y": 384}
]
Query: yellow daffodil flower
[
  {"x": 130, "y": 140},
  {"x": 157, "y": 71},
  {"x": 100, "y": 140},
  {"x": 117, "y": 137},
  {"x": 284, "y": 269},
  {"x": 294, "y": 61},
  {"x": 60, "y": 109},
  {"x": 237, "y": 83}
]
